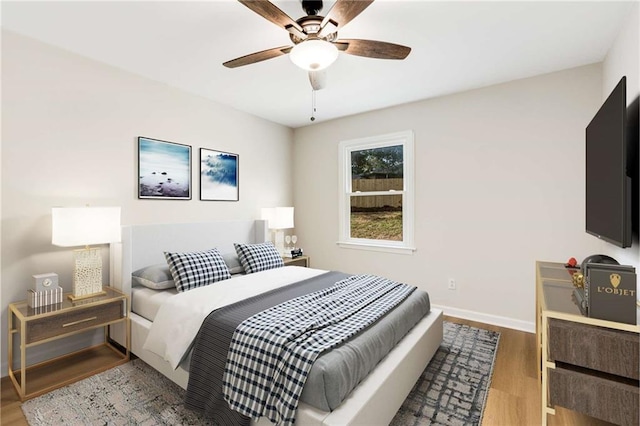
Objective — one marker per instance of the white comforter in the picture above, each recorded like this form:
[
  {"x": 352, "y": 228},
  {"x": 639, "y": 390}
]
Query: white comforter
[{"x": 179, "y": 318}]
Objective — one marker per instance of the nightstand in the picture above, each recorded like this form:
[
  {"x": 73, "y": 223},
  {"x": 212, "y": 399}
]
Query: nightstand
[
  {"x": 48, "y": 323},
  {"x": 298, "y": 261}
]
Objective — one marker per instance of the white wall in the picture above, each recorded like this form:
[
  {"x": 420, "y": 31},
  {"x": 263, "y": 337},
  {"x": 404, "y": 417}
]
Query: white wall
[
  {"x": 623, "y": 58},
  {"x": 499, "y": 184},
  {"x": 69, "y": 138}
]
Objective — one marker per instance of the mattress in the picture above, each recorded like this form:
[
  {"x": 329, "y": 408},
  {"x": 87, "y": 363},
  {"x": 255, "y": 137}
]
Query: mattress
[
  {"x": 337, "y": 372},
  {"x": 146, "y": 302}
]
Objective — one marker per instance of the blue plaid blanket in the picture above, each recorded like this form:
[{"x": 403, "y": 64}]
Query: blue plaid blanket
[{"x": 272, "y": 352}]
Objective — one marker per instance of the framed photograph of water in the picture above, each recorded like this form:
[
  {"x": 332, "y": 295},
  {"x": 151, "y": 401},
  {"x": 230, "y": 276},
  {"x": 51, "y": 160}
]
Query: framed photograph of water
[
  {"x": 164, "y": 170},
  {"x": 218, "y": 176}
]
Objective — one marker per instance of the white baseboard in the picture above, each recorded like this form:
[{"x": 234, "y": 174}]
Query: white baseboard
[{"x": 515, "y": 324}]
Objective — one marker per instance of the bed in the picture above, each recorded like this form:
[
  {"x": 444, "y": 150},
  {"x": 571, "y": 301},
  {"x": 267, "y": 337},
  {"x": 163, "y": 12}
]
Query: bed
[{"x": 375, "y": 400}]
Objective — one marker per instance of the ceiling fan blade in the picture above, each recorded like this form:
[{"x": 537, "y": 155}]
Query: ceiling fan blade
[
  {"x": 373, "y": 49},
  {"x": 258, "y": 57},
  {"x": 272, "y": 13},
  {"x": 342, "y": 12}
]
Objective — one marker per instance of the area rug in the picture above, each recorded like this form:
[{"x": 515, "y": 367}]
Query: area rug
[
  {"x": 451, "y": 391},
  {"x": 453, "y": 388}
]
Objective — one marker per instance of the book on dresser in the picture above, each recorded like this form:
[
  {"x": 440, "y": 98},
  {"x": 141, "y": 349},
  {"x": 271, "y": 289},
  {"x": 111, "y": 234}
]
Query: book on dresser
[{"x": 610, "y": 292}]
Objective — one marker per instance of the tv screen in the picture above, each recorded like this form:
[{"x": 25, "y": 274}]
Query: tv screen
[{"x": 608, "y": 183}]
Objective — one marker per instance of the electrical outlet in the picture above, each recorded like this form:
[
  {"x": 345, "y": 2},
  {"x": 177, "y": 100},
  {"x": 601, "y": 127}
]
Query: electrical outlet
[{"x": 452, "y": 284}]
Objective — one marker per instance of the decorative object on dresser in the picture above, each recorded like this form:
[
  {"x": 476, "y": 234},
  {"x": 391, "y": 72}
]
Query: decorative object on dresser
[
  {"x": 219, "y": 176},
  {"x": 53, "y": 322},
  {"x": 45, "y": 291},
  {"x": 47, "y": 281},
  {"x": 84, "y": 226},
  {"x": 164, "y": 170},
  {"x": 610, "y": 292},
  {"x": 589, "y": 365},
  {"x": 278, "y": 219}
]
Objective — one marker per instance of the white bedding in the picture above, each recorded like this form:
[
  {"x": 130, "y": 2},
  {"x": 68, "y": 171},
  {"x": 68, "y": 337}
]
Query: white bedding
[
  {"x": 179, "y": 318},
  {"x": 146, "y": 302}
]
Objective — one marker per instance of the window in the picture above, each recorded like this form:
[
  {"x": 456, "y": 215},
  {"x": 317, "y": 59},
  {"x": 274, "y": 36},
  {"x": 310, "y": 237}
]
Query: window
[{"x": 376, "y": 193}]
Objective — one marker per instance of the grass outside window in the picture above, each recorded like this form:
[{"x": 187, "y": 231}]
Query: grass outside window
[{"x": 377, "y": 225}]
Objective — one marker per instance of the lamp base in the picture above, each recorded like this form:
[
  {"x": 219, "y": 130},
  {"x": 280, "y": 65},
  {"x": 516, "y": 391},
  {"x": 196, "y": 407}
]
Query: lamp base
[
  {"x": 278, "y": 240},
  {"x": 87, "y": 274},
  {"x": 86, "y": 296}
]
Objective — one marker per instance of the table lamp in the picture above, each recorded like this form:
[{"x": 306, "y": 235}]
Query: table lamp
[
  {"x": 278, "y": 218},
  {"x": 84, "y": 226}
]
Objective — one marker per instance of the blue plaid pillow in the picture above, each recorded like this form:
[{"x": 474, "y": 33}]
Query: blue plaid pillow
[
  {"x": 197, "y": 269},
  {"x": 258, "y": 257}
]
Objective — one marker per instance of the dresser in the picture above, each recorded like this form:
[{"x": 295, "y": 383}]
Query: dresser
[{"x": 586, "y": 364}]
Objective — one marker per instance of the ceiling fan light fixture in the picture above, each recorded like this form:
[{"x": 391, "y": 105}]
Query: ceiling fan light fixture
[{"x": 314, "y": 54}]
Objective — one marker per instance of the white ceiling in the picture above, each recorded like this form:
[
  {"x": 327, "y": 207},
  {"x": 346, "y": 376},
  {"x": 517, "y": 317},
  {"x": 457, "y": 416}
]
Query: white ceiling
[{"x": 456, "y": 46}]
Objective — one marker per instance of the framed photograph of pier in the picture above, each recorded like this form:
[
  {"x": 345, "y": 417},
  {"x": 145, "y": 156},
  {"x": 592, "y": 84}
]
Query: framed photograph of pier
[
  {"x": 164, "y": 170},
  {"x": 219, "y": 176}
]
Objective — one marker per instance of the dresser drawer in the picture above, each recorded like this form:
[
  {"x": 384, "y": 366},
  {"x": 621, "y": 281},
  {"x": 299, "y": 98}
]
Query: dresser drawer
[
  {"x": 602, "y": 397},
  {"x": 77, "y": 319},
  {"x": 597, "y": 348}
]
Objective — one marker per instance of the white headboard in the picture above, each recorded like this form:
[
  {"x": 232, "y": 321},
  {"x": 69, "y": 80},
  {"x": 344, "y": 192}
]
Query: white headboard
[{"x": 144, "y": 245}]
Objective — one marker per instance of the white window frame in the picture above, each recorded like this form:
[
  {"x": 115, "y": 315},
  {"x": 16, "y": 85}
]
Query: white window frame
[{"x": 406, "y": 246}]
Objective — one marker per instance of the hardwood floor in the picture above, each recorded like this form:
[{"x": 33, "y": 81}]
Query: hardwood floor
[{"x": 514, "y": 395}]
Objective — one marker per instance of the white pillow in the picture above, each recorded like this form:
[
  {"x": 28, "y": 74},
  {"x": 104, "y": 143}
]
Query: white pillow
[
  {"x": 233, "y": 263},
  {"x": 155, "y": 277}
]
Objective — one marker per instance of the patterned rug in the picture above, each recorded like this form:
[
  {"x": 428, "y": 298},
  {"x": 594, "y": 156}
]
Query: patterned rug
[
  {"x": 453, "y": 388},
  {"x": 451, "y": 391}
]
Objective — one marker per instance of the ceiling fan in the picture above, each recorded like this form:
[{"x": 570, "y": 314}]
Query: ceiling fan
[{"x": 315, "y": 37}]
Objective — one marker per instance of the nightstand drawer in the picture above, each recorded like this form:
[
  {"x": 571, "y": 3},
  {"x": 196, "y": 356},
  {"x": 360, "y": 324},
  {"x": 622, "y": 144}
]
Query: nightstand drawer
[
  {"x": 598, "y": 348},
  {"x": 78, "y": 319},
  {"x": 297, "y": 261}
]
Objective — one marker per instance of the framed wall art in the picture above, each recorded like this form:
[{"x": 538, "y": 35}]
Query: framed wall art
[
  {"x": 164, "y": 170},
  {"x": 218, "y": 176}
]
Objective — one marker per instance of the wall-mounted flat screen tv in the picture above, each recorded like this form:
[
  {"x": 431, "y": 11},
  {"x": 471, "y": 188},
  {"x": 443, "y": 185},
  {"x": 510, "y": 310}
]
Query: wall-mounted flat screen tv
[{"x": 608, "y": 182}]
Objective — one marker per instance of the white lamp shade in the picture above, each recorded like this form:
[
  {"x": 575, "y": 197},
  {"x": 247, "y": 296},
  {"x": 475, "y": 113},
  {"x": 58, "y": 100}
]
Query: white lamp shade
[
  {"x": 83, "y": 226},
  {"x": 314, "y": 55},
  {"x": 278, "y": 217}
]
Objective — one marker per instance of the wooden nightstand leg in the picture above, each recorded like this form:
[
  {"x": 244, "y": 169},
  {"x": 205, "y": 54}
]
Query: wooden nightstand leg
[
  {"x": 23, "y": 360},
  {"x": 12, "y": 331},
  {"x": 545, "y": 390}
]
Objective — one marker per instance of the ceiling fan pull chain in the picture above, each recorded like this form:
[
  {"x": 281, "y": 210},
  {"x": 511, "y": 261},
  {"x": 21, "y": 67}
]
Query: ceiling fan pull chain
[{"x": 313, "y": 105}]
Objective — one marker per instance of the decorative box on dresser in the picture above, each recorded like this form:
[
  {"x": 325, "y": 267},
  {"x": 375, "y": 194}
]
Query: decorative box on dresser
[
  {"x": 36, "y": 326},
  {"x": 586, "y": 364}
]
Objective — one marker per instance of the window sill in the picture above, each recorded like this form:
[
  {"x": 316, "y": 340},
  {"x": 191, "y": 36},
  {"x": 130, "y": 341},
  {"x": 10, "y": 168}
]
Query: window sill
[{"x": 376, "y": 247}]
